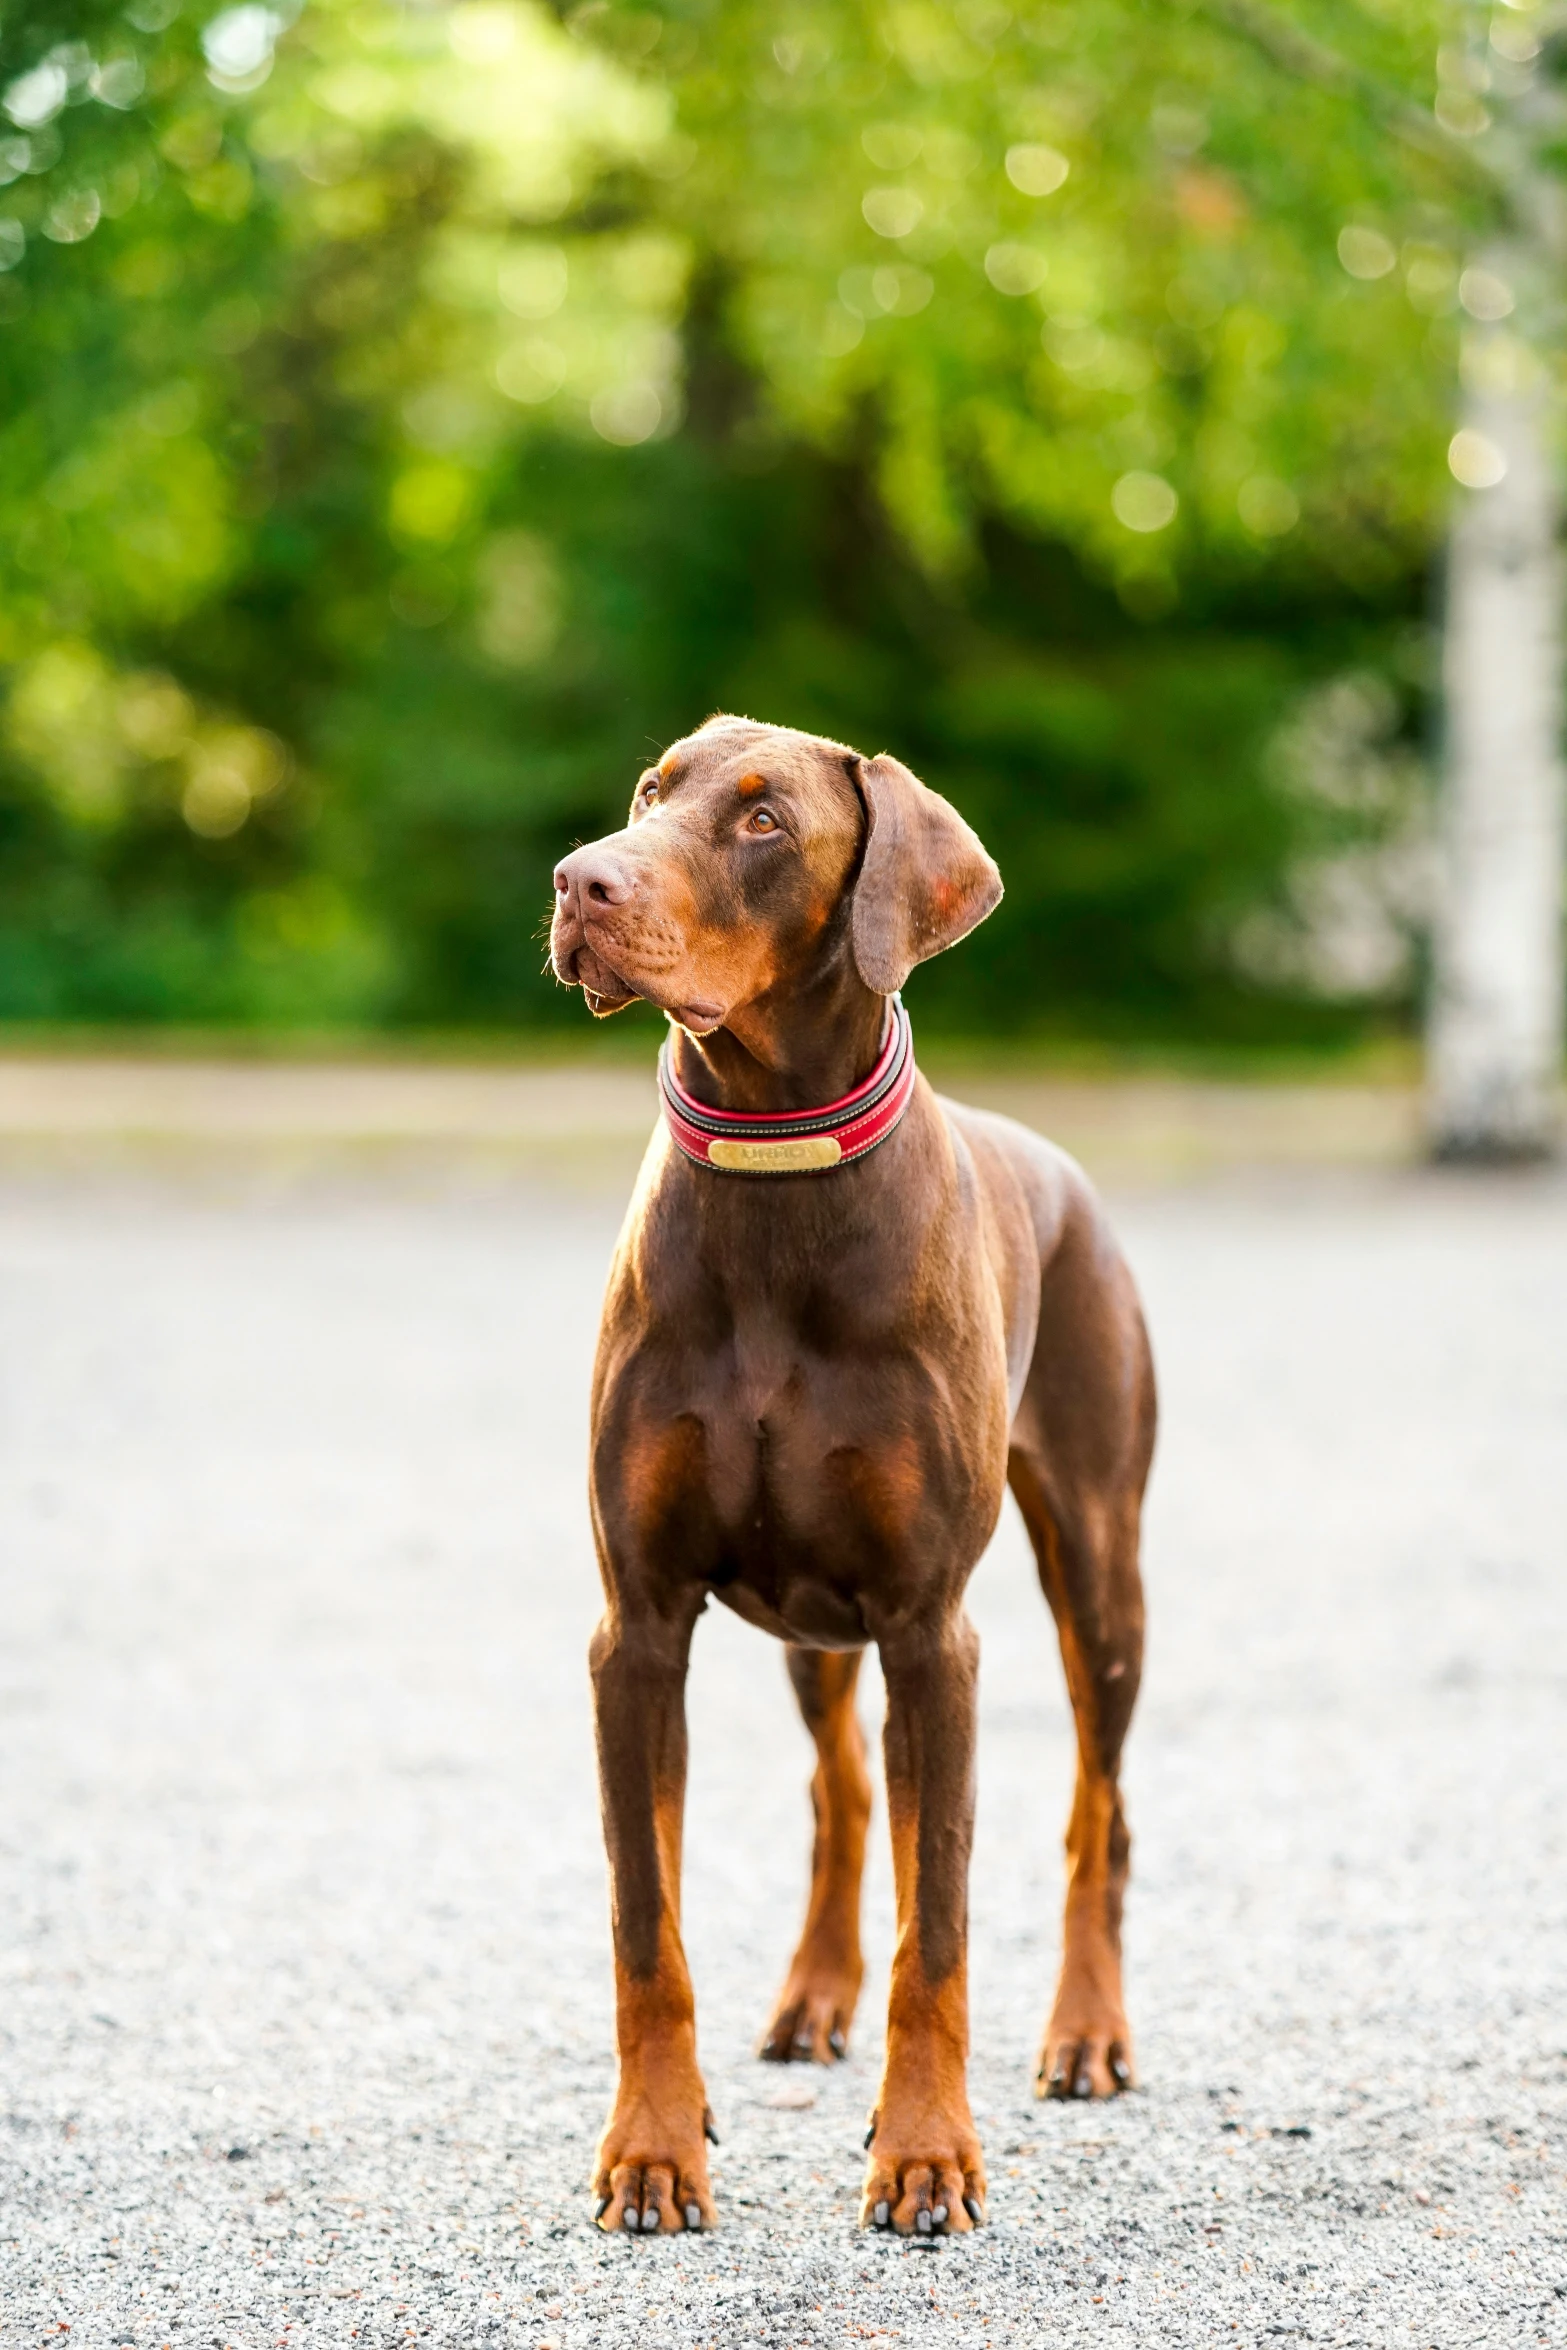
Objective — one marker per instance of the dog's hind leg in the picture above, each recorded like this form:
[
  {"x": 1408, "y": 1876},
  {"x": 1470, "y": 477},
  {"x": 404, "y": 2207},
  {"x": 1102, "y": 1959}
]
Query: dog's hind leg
[
  {"x": 815, "y": 2008},
  {"x": 1080, "y": 1453},
  {"x": 1097, "y": 1603}
]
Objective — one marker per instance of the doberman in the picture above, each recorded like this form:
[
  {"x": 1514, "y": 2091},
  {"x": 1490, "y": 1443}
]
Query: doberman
[{"x": 820, "y": 1363}]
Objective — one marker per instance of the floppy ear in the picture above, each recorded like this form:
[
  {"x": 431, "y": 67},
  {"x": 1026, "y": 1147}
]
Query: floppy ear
[{"x": 925, "y": 879}]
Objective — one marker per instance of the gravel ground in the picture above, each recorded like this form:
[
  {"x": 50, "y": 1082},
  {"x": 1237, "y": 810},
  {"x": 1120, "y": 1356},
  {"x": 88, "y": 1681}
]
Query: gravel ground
[{"x": 303, "y": 1935}]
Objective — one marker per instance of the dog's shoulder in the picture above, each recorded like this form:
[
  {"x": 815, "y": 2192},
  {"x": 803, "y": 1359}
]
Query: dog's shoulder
[{"x": 1012, "y": 1160}]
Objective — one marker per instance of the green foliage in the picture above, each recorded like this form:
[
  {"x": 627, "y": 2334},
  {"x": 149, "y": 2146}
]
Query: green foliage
[
  {"x": 408, "y": 419},
  {"x": 1054, "y": 249}
]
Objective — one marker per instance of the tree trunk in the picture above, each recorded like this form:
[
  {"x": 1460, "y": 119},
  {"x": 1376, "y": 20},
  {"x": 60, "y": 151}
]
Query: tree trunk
[{"x": 1497, "y": 1011}]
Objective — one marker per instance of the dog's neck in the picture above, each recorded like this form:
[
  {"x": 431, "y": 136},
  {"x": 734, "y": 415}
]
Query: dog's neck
[{"x": 794, "y": 1051}]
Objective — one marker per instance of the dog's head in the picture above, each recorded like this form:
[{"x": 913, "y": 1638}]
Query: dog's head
[{"x": 753, "y": 856}]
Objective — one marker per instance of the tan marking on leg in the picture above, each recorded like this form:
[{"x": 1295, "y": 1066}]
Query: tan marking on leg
[
  {"x": 1087, "y": 2046},
  {"x": 926, "y": 2172},
  {"x": 815, "y": 2009},
  {"x": 651, "y": 2168}
]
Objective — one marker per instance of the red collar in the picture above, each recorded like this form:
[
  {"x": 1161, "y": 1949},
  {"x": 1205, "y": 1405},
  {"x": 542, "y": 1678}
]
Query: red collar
[{"x": 795, "y": 1142}]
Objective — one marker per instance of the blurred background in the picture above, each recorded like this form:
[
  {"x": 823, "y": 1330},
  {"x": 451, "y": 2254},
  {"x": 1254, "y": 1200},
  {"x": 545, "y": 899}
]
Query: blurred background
[{"x": 411, "y": 417}]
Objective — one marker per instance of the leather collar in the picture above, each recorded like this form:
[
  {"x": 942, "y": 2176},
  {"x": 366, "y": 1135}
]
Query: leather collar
[{"x": 795, "y": 1142}]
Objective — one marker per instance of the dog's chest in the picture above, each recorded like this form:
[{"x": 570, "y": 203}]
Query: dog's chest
[
  {"x": 773, "y": 1419},
  {"x": 826, "y": 1477},
  {"x": 795, "y": 1548},
  {"x": 810, "y": 1411}
]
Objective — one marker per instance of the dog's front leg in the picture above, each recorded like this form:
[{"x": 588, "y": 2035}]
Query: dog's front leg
[
  {"x": 651, "y": 2171},
  {"x": 926, "y": 2172}
]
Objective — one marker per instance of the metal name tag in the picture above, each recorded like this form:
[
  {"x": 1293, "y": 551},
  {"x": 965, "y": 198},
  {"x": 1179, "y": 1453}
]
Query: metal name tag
[{"x": 776, "y": 1158}]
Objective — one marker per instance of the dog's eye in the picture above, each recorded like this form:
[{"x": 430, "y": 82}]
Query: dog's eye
[
  {"x": 762, "y": 820},
  {"x": 649, "y": 794}
]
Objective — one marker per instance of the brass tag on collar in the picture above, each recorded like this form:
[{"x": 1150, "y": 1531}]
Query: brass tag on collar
[{"x": 789, "y": 1157}]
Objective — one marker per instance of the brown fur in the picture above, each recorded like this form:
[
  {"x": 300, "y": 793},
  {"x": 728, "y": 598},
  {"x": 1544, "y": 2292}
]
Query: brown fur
[
  {"x": 816, "y": 2006},
  {"x": 810, "y": 1392}
]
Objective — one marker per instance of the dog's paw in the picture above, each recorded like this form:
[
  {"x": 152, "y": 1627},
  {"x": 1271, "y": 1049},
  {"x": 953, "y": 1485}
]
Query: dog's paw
[
  {"x": 810, "y": 2024},
  {"x": 652, "y": 2198},
  {"x": 934, "y": 2186},
  {"x": 1082, "y": 2060},
  {"x": 651, "y": 2175}
]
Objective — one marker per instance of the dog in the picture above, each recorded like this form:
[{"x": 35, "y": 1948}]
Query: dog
[{"x": 842, "y": 1316}]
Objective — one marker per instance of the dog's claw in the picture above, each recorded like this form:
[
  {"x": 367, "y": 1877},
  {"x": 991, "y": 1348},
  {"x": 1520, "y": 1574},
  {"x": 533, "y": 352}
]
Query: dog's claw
[
  {"x": 601, "y": 2207},
  {"x": 881, "y": 2215},
  {"x": 837, "y": 2043},
  {"x": 972, "y": 2206},
  {"x": 694, "y": 2218},
  {"x": 938, "y": 2217},
  {"x": 870, "y": 2134},
  {"x": 1086, "y": 2063},
  {"x": 922, "y": 2223},
  {"x": 708, "y": 2130},
  {"x": 650, "y": 2220},
  {"x": 631, "y": 2223}
]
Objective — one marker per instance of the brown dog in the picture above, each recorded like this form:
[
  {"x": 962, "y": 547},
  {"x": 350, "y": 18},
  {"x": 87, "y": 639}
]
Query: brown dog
[{"x": 811, "y": 1388}]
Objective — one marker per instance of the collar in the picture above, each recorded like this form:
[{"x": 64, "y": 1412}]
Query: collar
[{"x": 795, "y": 1142}]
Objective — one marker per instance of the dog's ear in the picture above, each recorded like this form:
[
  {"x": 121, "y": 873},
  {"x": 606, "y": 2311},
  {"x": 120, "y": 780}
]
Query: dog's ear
[{"x": 925, "y": 879}]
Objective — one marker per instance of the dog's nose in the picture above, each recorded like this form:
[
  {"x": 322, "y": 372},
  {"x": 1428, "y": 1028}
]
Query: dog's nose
[{"x": 598, "y": 878}]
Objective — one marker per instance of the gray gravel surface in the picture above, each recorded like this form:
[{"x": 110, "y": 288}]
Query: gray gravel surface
[{"x": 305, "y": 2031}]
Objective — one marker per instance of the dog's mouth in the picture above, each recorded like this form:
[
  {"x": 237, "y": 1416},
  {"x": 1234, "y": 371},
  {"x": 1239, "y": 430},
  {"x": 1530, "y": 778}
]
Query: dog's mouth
[
  {"x": 699, "y": 1019},
  {"x": 602, "y": 986},
  {"x": 578, "y": 959}
]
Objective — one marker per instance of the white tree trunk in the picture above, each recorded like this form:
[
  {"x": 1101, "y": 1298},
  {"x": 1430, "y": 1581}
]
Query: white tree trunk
[{"x": 1495, "y": 1046}]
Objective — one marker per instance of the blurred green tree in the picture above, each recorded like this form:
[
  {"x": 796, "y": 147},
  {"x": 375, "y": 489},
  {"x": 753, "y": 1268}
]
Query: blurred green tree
[
  {"x": 408, "y": 418},
  {"x": 1245, "y": 227}
]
